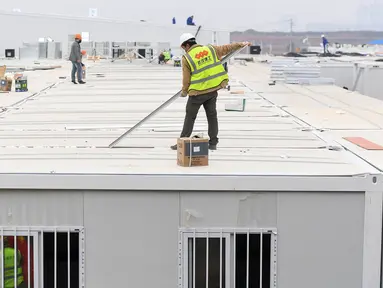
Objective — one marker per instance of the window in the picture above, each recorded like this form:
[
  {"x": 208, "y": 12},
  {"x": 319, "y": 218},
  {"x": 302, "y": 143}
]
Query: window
[
  {"x": 227, "y": 258},
  {"x": 42, "y": 257}
]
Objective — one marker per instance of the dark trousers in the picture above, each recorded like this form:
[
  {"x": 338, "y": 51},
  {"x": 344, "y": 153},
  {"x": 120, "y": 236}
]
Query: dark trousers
[
  {"x": 76, "y": 67},
  {"x": 325, "y": 48},
  {"x": 209, "y": 102}
]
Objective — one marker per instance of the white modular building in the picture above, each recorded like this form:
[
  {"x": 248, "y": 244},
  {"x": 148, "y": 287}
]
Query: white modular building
[
  {"x": 96, "y": 32},
  {"x": 359, "y": 74},
  {"x": 284, "y": 202}
]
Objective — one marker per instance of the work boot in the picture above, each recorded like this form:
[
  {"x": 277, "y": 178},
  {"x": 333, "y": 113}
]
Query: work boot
[
  {"x": 74, "y": 82},
  {"x": 212, "y": 147},
  {"x": 81, "y": 82},
  {"x": 174, "y": 147}
]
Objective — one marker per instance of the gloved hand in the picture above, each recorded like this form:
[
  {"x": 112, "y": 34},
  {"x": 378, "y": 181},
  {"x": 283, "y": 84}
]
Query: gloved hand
[
  {"x": 184, "y": 94},
  {"x": 244, "y": 44}
]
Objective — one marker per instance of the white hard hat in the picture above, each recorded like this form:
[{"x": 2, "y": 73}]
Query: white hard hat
[
  {"x": 185, "y": 37},
  {"x": 322, "y": 35}
]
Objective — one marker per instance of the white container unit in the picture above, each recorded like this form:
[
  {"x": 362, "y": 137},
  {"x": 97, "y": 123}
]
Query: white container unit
[
  {"x": 279, "y": 205},
  {"x": 368, "y": 79},
  {"x": 100, "y": 30},
  {"x": 342, "y": 73},
  {"x": 304, "y": 226},
  {"x": 362, "y": 76}
]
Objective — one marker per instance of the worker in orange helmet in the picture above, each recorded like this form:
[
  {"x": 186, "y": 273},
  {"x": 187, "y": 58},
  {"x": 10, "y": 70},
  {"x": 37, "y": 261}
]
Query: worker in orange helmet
[{"x": 75, "y": 57}]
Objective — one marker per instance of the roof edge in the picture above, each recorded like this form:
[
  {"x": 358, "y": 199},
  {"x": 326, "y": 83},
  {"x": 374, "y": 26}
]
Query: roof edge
[{"x": 146, "y": 182}]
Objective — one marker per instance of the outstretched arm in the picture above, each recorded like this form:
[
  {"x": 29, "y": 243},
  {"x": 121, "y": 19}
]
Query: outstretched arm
[{"x": 226, "y": 49}]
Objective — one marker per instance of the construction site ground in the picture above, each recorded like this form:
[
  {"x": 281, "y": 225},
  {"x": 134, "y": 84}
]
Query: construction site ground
[{"x": 284, "y": 130}]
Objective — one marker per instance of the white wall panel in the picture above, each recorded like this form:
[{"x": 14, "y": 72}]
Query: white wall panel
[
  {"x": 34, "y": 208},
  {"x": 132, "y": 239}
]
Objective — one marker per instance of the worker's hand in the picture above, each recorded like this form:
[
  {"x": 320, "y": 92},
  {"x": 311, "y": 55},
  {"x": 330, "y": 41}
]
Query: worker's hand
[
  {"x": 184, "y": 94},
  {"x": 244, "y": 44}
]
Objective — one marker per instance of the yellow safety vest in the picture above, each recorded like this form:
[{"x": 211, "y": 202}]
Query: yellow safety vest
[
  {"x": 207, "y": 71},
  {"x": 166, "y": 55},
  {"x": 9, "y": 268}
]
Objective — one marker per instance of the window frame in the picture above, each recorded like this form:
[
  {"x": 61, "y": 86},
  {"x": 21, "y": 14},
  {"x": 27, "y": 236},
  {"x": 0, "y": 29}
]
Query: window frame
[
  {"x": 228, "y": 234},
  {"x": 37, "y": 233},
  {"x": 191, "y": 235}
]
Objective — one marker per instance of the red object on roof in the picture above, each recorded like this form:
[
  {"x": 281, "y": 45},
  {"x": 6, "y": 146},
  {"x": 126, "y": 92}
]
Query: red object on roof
[{"x": 364, "y": 143}]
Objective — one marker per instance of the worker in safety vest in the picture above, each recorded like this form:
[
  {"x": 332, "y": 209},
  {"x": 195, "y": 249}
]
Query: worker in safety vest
[
  {"x": 166, "y": 56},
  {"x": 9, "y": 267},
  {"x": 203, "y": 76},
  {"x": 161, "y": 58}
]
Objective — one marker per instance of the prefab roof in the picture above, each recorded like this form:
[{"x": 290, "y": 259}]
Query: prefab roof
[{"x": 67, "y": 129}]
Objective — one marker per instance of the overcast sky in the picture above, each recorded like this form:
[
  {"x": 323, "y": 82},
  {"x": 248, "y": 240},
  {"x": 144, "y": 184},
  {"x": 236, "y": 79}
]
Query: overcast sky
[{"x": 260, "y": 15}]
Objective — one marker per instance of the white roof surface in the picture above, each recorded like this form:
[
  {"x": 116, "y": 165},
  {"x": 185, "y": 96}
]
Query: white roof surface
[{"x": 68, "y": 128}]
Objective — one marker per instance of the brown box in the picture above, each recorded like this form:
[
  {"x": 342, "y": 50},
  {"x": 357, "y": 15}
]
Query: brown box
[{"x": 199, "y": 155}]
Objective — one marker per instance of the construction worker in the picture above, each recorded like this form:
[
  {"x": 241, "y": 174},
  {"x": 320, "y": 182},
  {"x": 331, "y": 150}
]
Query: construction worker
[
  {"x": 75, "y": 57},
  {"x": 203, "y": 76},
  {"x": 167, "y": 56},
  {"x": 164, "y": 57},
  {"x": 161, "y": 58},
  {"x": 9, "y": 267},
  {"x": 325, "y": 45}
]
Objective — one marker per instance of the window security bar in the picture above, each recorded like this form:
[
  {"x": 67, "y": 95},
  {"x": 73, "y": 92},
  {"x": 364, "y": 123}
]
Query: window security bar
[
  {"x": 42, "y": 257},
  {"x": 227, "y": 258}
]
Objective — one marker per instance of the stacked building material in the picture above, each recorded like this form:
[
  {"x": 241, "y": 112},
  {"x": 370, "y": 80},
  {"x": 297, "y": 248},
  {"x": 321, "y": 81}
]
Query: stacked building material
[{"x": 298, "y": 71}]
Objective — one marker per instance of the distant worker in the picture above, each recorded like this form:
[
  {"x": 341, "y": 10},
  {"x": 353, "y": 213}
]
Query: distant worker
[
  {"x": 174, "y": 20},
  {"x": 203, "y": 75},
  {"x": 164, "y": 57},
  {"x": 9, "y": 267},
  {"x": 190, "y": 21},
  {"x": 161, "y": 58},
  {"x": 75, "y": 57},
  {"x": 167, "y": 56},
  {"x": 325, "y": 44}
]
